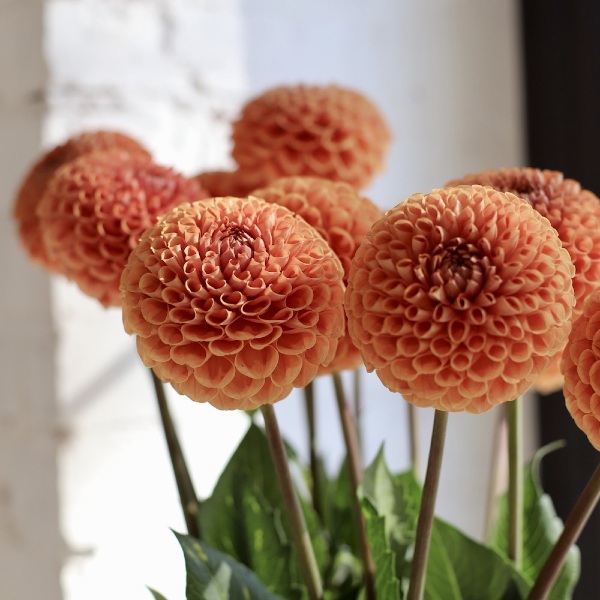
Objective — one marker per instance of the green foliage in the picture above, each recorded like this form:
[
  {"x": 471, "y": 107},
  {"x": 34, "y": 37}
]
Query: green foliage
[
  {"x": 541, "y": 528},
  {"x": 157, "y": 595},
  {"x": 396, "y": 498},
  {"x": 245, "y": 518},
  {"x": 247, "y": 549},
  {"x": 212, "y": 575},
  {"x": 460, "y": 568}
]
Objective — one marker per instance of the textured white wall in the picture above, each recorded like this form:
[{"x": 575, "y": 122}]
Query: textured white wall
[
  {"x": 173, "y": 73},
  {"x": 31, "y": 549}
]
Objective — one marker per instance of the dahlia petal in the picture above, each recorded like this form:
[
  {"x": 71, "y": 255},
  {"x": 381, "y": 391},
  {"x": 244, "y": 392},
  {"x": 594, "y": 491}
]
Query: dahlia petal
[
  {"x": 191, "y": 355},
  {"x": 256, "y": 364},
  {"x": 216, "y": 372},
  {"x": 287, "y": 370},
  {"x": 242, "y": 387}
]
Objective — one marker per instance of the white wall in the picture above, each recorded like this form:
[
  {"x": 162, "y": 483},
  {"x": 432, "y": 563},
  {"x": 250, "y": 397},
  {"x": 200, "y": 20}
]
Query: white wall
[
  {"x": 173, "y": 73},
  {"x": 31, "y": 549}
]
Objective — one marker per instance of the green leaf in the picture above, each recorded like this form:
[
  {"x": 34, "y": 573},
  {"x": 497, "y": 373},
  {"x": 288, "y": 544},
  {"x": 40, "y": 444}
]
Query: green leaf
[
  {"x": 245, "y": 517},
  {"x": 396, "y": 498},
  {"x": 338, "y": 513},
  {"x": 541, "y": 528},
  {"x": 157, "y": 595},
  {"x": 387, "y": 584},
  {"x": 460, "y": 568},
  {"x": 212, "y": 575}
]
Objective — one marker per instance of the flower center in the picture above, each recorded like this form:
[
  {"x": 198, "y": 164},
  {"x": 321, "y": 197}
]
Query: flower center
[
  {"x": 524, "y": 188},
  {"x": 458, "y": 273},
  {"x": 234, "y": 243}
]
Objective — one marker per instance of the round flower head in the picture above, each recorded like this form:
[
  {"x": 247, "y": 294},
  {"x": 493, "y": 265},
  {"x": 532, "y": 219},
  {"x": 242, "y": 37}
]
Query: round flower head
[
  {"x": 94, "y": 210},
  {"x": 342, "y": 217},
  {"x": 234, "y": 301},
  {"x": 33, "y": 185},
  {"x": 326, "y": 131},
  {"x": 459, "y": 298},
  {"x": 574, "y": 213},
  {"x": 581, "y": 367}
]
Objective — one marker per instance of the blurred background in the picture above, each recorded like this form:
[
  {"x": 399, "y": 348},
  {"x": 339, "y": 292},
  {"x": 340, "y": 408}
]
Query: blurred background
[{"x": 86, "y": 492}]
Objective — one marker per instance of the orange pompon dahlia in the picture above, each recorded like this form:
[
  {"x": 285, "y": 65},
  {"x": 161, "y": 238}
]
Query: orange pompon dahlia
[
  {"x": 342, "y": 217},
  {"x": 95, "y": 209},
  {"x": 33, "y": 185},
  {"x": 580, "y": 365},
  {"x": 574, "y": 213},
  {"x": 460, "y": 298},
  {"x": 325, "y": 131},
  {"x": 234, "y": 301}
]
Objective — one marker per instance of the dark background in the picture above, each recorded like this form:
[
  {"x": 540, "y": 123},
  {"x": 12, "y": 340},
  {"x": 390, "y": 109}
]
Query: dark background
[{"x": 561, "y": 42}]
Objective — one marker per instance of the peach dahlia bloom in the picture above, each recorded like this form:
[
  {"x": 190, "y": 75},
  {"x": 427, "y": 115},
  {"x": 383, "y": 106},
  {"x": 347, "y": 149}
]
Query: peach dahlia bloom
[
  {"x": 342, "y": 217},
  {"x": 574, "y": 213},
  {"x": 322, "y": 131},
  {"x": 234, "y": 301},
  {"x": 460, "y": 298},
  {"x": 35, "y": 181},
  {"x": 94, "y": 210},
  {"x": 581, "y": 367}
]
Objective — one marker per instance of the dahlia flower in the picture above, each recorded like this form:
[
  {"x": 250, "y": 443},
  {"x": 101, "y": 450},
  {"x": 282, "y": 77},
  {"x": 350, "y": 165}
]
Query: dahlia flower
[
  {"x": 460, "y": 298},
  {"x": 574, "y": 213},
  {"x": 581, "y": 367},
  {"x": 326, "y": 131},
  {"x": 234, "y": 301},
  {"x": 33, "y": 185},
  {"x": 94, "y": 210},
  {"x": 342, "y": 217}
]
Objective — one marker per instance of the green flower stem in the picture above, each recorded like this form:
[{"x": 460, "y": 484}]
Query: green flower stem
[
  {"x": 189, "y": 500},
  {"x": 497, "y": 471},
  {"x": 573, "y": 527},
  {"x": 306, "y": 555},
  {"x": 355, "y": 472},
  {"x": 418, "y": 568},
  {"x": 514, "y": 415},
  {"x": 357, "y": 407},
  {"x": 413, "y": 434},
  {"x": 309, "y": 400}
]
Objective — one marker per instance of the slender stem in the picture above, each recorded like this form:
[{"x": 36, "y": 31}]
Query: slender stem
[
  {"x": 413, "y": 431},
  {"x": 306, "y": 555},
  {"x": 355, "y": 472},
  {"x": 497, "y": 471},
  {"x": 418, "y": 568},
  {"x": 573, "y": 527},
  {"x": 309, "y": 400},
  {"x": 357, "y": 406},
  {"x": 189, "y": 500},
  {"x": 514, "y": 415}
]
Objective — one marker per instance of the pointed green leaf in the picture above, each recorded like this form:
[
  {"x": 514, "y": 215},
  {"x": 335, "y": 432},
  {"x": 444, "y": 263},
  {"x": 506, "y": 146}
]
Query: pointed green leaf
[
  {"x": 541, "y": 528},
  {"x": 387, "y": 584},
  {"x": 338, "y": 513},
  {"x": 246, "y": 513},
  {"x": 212, "y": 575},
  {"x": 157, "y": 595},
  {"x": 396, "y": 498},
  {"x": 460, "y": 568}
]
